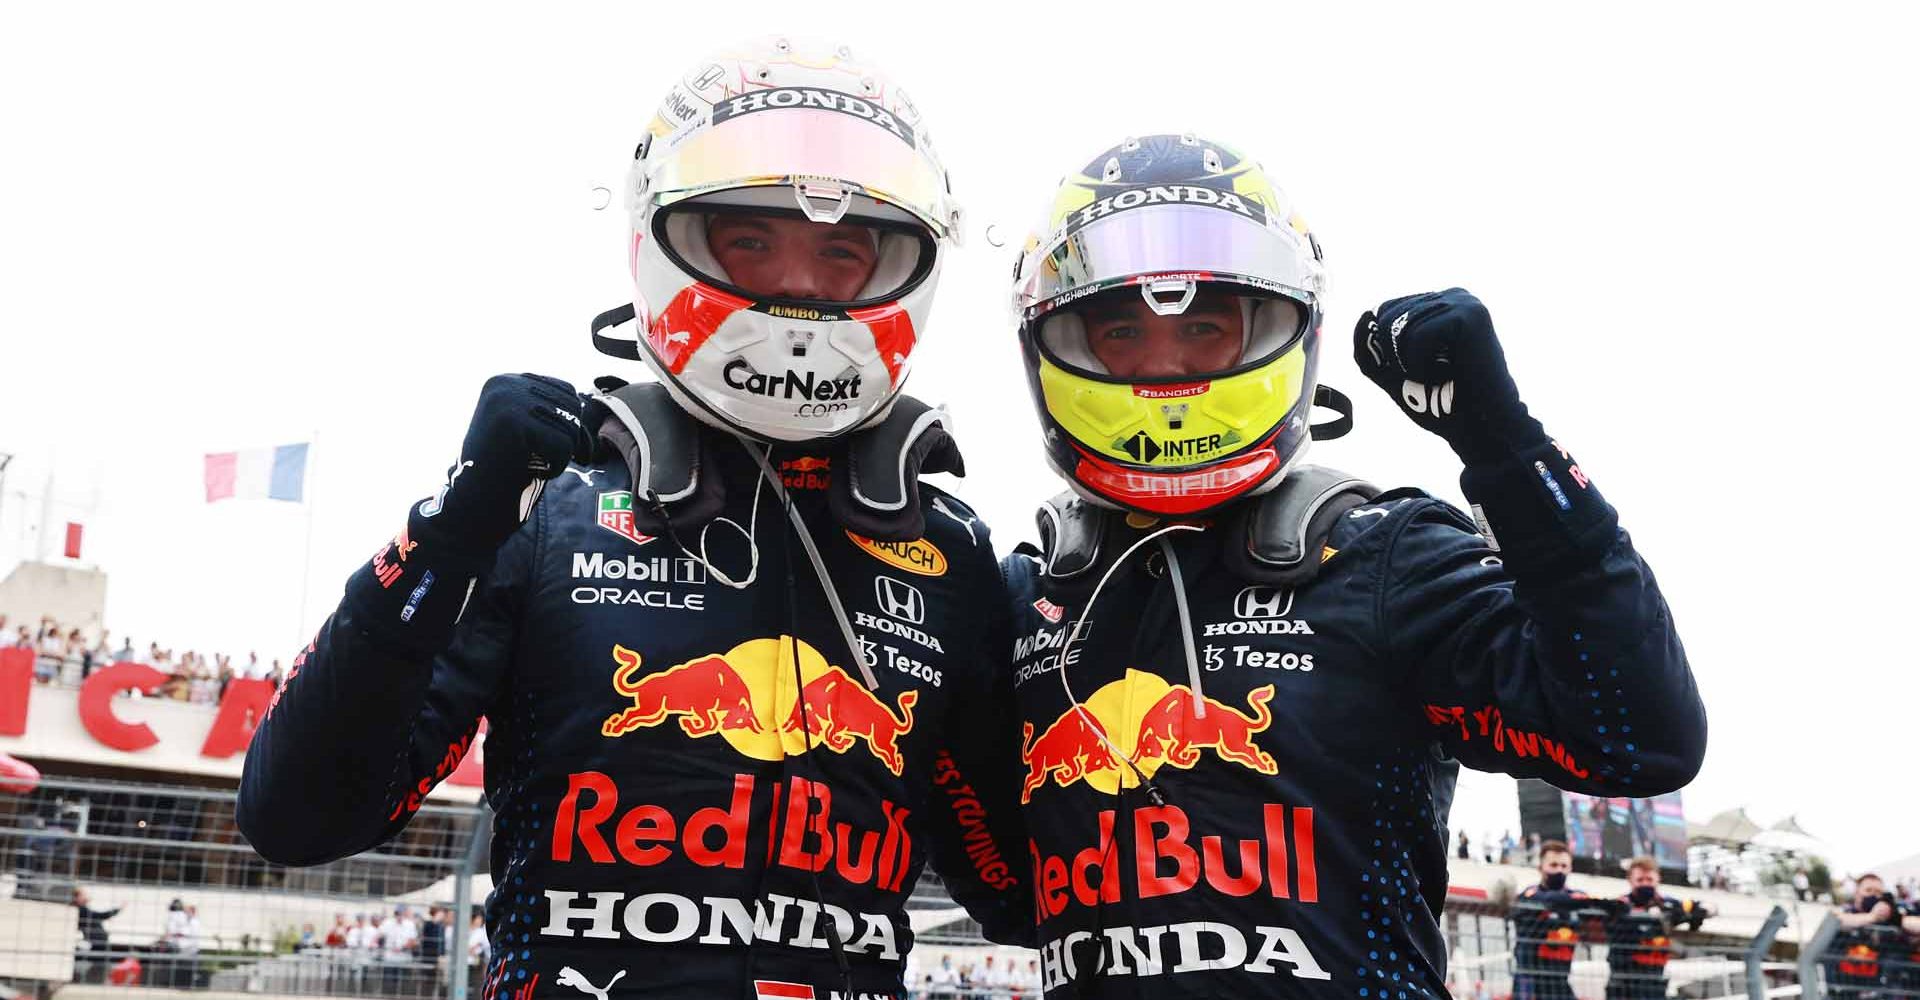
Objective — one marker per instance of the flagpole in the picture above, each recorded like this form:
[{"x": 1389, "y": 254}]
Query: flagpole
[{"x": 306, "y": 562}]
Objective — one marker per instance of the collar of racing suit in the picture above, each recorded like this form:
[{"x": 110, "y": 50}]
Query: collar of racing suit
[{"x": 874, "y": 472}]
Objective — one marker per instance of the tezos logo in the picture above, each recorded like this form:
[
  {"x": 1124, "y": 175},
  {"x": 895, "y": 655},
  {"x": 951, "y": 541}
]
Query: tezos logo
[
  {"x": 791, "y": 385},
  {"x": 899, "y": 599}
]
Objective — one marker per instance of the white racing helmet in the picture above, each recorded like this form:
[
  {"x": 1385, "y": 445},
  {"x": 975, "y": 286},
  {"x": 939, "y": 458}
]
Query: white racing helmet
[{"x": 783, "y": 133}]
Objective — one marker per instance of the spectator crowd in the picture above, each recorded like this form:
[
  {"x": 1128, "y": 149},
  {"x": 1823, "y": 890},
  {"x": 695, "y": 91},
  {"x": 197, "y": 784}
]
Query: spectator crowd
[
  {"x": 990, "y": 978},
  {"x": 66, "y": 656}
]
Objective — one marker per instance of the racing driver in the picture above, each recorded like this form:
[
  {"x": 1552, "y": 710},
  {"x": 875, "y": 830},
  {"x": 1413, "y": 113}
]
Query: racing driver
[
  {"x": 718, "y": 630},
  {"x": 1242, "y": 680}
]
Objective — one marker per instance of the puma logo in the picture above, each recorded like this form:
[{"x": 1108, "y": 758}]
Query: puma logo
[
  {"x": 570, "y": 976},
  {"x": 586, "y": 475},
  {"x": 940, "y": 505}
]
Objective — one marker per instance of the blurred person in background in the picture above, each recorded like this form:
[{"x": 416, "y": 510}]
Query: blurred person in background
[
  {"x": 1639, "y": 930},
  {"x": 476, "y": 947},
  {"x": 1545, "y": 930},
  {"x": 363, "y": 942},
  {"x": 98, "y": 655},
  {"x": 944, "y": 980},
  {"x": 337, "y": 934},
  {"x": 93, "y": 930},
  {"x": 52, "y": 652},
  {"x": 1865, "y": 954}
]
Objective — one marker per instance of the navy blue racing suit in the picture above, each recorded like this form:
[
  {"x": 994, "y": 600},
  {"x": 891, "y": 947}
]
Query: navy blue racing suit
[
  {"x": 659, "y": 818},
  {"x": 1289, "y": 840}
]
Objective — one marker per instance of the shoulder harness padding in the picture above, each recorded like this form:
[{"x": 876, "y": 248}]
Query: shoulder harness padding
[
  {"x": 664, "y": 449},
  {"x": 1275, "y": 538},
  {"x": 1072, "y": 532},
  {"x": 877, "y": 489},
  {"x": 875, "y": 492}
]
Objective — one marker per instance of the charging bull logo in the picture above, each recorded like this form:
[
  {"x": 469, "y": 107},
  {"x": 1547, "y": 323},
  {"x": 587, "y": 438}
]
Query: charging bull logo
[
  {"x": 1558, "y": 945},
  {"x": 1860, "y": 960},
  {"x": 1654, "y": 952},
  {"x": 748, "y": 696},
  {"x": 1148, "y": 723}
]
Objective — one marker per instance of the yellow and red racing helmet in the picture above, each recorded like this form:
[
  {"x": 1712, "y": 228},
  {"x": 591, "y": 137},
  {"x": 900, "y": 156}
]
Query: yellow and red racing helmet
[{"x": 1169, "y": 316}]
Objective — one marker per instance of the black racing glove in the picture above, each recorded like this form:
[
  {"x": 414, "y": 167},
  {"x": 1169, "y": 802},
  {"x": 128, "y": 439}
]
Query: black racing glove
[
  {"x": 524, "y": 430},
  {"x": 1437, "y": 356}
]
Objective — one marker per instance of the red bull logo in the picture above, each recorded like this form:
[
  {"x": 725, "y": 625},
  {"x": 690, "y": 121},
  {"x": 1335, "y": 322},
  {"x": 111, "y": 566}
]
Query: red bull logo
[
  {"x": 1860, "y": 960},
  {"x": 808, "y": 472},
  {"x": 1657, "y": 950},
  {"x": 1150, "y": 723},
  {"x": 1558, "y": 945},
  {"x": 748, "y": 697}
]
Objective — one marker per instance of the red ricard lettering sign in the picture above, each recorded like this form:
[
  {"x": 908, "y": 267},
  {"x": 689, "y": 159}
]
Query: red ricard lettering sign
[{"x": 241, "y": 708}]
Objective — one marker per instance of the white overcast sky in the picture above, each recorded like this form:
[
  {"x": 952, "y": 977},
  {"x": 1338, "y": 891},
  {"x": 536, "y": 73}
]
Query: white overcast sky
[{"x": 227, "y": 226}]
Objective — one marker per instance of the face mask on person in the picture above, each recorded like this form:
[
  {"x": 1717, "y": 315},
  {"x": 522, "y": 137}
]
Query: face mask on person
[
  {"x": 1641, "y": 895},
  {"x": 1554, "y": 881},
  {"x": 1866, "y": 904}
]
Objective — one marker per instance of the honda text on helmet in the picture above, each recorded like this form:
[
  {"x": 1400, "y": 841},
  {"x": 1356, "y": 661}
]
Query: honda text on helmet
[
  {"x": 788, "y": 222},
  {"x": 1169, "y": 318}
]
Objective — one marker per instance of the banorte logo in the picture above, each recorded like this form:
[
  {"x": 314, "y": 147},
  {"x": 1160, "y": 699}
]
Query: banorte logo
[
  {"x": 1152, "y": 723},
  {"x": 747, "y": 696}
]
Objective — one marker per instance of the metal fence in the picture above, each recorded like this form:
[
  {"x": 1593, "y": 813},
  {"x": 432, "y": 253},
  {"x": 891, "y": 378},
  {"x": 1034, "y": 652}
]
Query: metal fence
[
  {"x": 108, "y": 884},
  {"x": 1600, "y": 953},
  {"x": 121, "y": 884}
]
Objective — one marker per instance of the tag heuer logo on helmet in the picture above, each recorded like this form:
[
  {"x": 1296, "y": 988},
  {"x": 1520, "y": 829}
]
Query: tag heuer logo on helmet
[
  {"x": 789, "y": 385},
  {"x": 1165, "y": 194},
  {"x": 811, "y": 97},
  {"x": 616, "y": 515}
]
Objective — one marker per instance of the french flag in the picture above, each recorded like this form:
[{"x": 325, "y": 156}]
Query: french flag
[{"x": 258, "y": 474}]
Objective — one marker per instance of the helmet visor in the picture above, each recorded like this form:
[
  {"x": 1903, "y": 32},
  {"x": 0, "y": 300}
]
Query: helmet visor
[
  {"x": 873, "y": 153},
  {"x": 773, "y": 255},
  {"x": 1151, "y": 331},
  {"x": 1204, "y": 241}
]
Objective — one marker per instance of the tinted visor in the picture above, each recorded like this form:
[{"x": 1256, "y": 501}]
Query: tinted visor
[
  {"x": 781, "y": 255},
  {"x": 1135, "y": 333},
  {"x": 768, "y": 144},
  {"x": 1197, "y": 239}
]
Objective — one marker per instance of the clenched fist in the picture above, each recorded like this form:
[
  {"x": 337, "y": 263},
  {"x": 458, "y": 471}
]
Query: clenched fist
[
  {"x": 524, "y": 431},
  {"x": 1437, "y": 356}
]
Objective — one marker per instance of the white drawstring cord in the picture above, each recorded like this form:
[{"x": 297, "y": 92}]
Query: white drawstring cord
[
  {"x": 753, "y": 547},
  {"x": 1186, "y": 630},
  {"x": 819, "y": 565},
  {"x": 1073, "y": 636}
]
